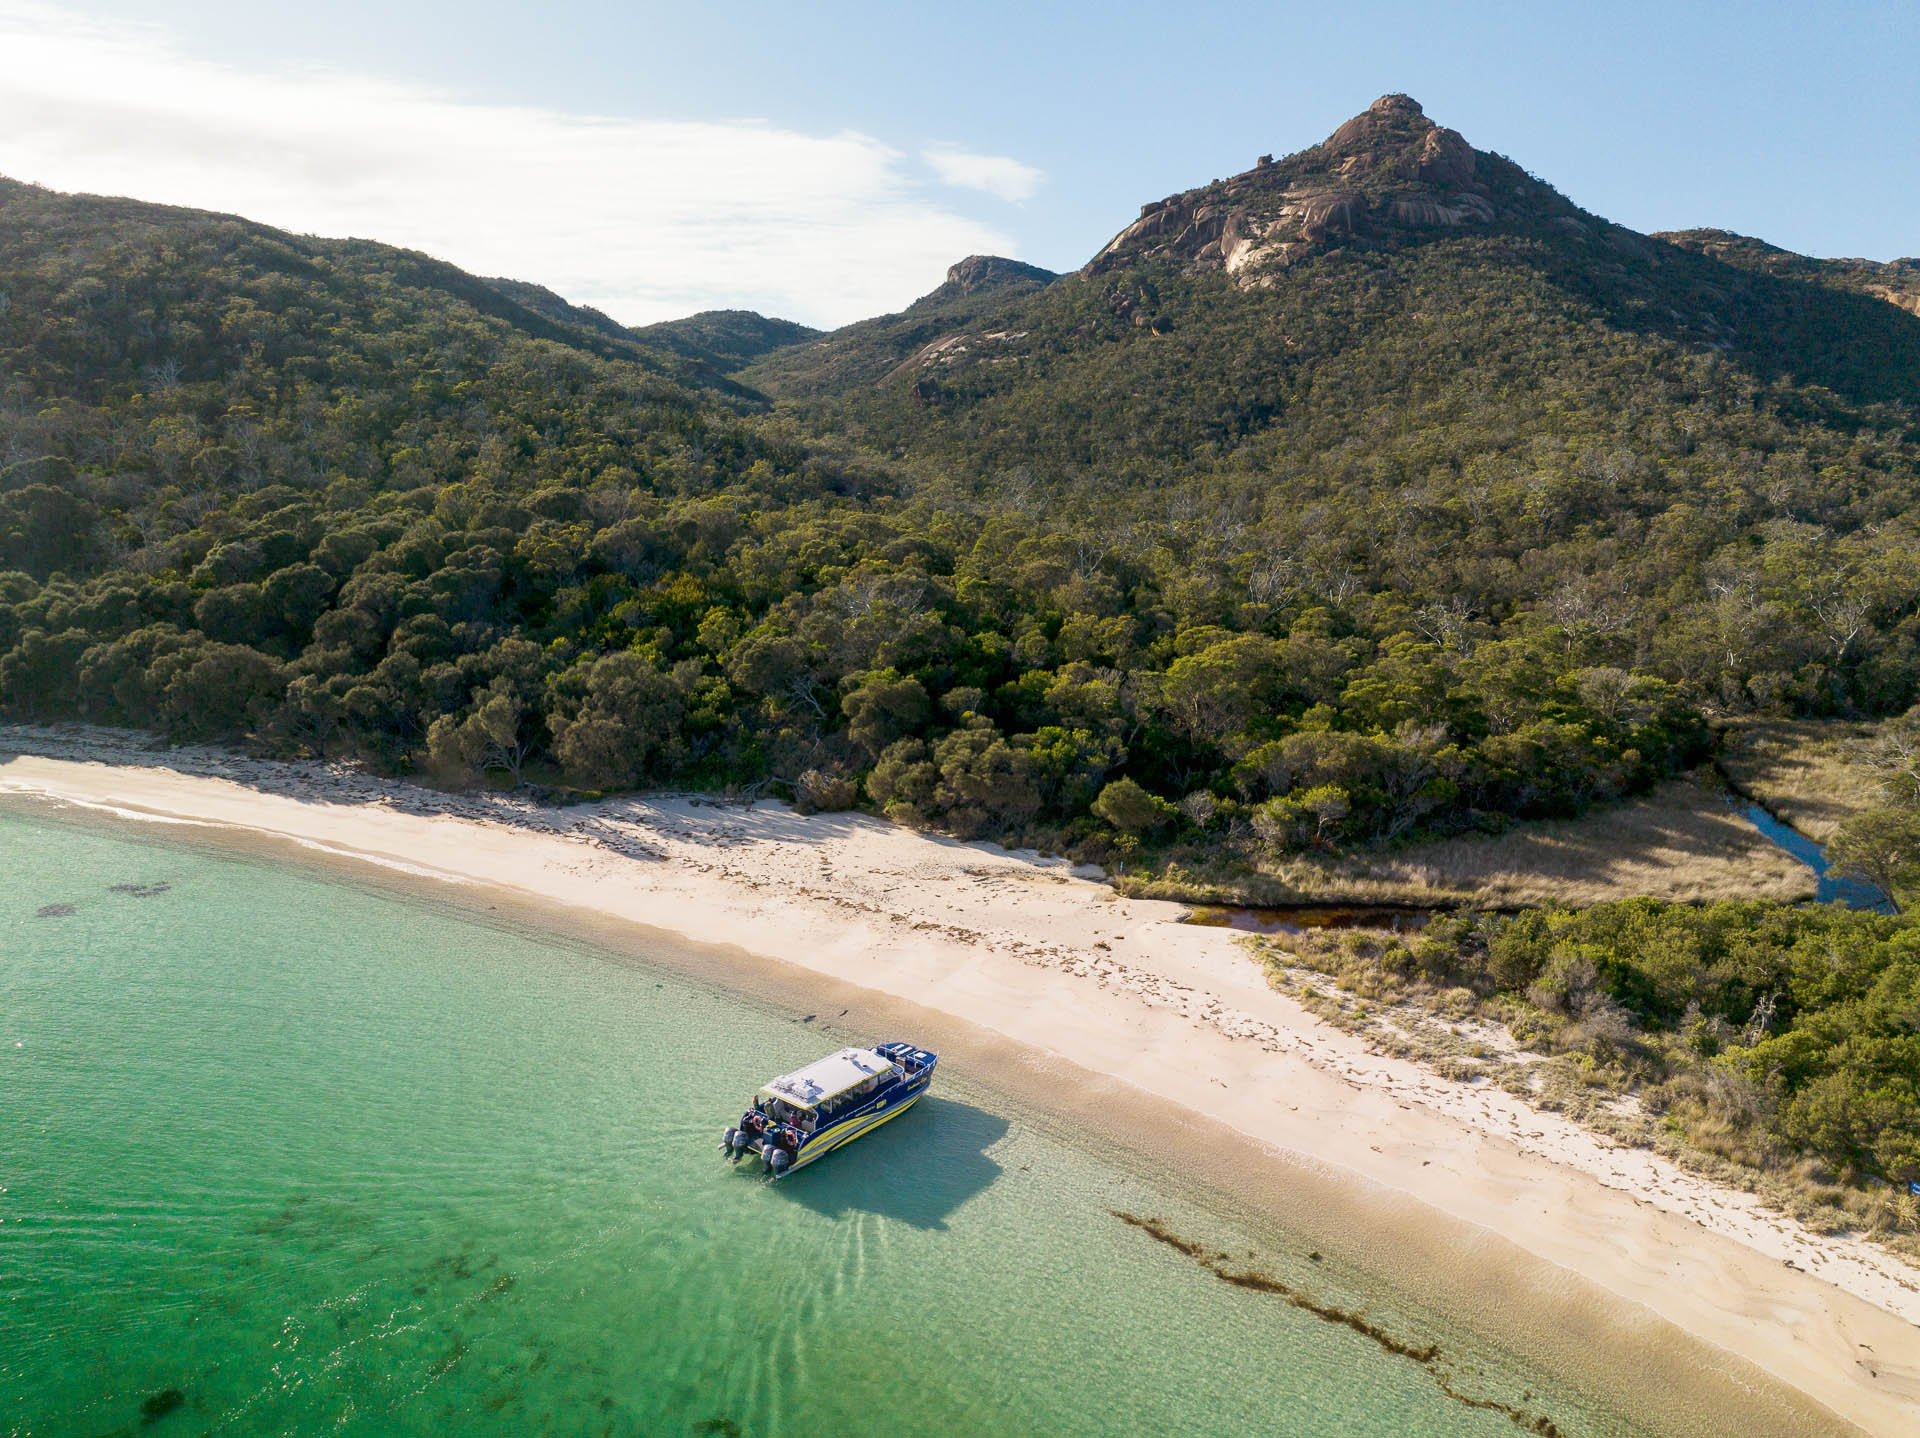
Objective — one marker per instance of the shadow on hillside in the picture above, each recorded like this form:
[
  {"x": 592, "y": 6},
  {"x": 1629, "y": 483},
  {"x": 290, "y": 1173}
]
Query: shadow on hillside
[{"x": 1860, "y": 347}]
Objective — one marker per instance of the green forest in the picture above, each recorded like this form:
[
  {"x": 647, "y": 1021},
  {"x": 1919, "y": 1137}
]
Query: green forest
[{"x": 1430, "y": 528}]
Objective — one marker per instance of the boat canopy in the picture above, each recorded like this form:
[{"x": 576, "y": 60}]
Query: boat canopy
[{"x": 829, "y": 1077}]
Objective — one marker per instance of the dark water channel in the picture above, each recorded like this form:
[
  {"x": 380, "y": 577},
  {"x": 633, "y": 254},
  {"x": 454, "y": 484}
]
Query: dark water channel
[{"x": 1830, "y": 889}]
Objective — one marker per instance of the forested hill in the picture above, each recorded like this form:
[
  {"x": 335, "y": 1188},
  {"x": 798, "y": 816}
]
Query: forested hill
[
  {"x": 1392, "y": 372},
  {"x": 875, "y": 350},
  {"x": 1375, "y": 492},
  {"x": 727, "y": 340}
]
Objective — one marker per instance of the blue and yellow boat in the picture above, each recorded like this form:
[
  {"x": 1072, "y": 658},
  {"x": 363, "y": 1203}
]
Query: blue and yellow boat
[{"x": 800, "y": 1116}]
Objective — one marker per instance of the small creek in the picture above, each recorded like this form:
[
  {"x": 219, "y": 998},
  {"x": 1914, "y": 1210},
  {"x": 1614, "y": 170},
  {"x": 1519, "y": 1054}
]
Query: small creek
[{"x": 1829, "y": 888}]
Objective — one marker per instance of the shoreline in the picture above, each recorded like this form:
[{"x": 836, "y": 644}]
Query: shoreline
[{"x": 1096, "y": 1009}]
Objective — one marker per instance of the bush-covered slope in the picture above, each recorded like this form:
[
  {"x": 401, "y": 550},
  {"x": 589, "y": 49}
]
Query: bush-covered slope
[
  {"x": 1393, "y": 374},
  {"x": 725, "y": 339},
  {"x": 1895, "y": 281},
  {"x": 872, "y": 350},
  {"x": 1376, "y": 492}
]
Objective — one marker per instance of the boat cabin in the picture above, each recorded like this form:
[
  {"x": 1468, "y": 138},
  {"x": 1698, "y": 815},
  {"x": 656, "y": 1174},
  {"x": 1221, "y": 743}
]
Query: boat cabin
[
  {"x": 800, "y": 1116},
  {"x": 809, "y": 1097}
]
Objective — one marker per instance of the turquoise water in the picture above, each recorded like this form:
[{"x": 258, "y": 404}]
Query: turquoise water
[{"x": 280, "y": 1154}]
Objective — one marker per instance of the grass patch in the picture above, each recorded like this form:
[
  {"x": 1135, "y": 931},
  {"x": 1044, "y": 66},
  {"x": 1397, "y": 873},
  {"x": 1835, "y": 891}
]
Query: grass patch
[
  {"x": 1681, "y": 842},
  {"x": 1806, "y": 772}
]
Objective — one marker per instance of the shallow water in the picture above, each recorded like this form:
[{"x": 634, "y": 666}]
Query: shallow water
[
  {"x": 1828, "y": 888},
  {"x": 283, "y": 1154}
]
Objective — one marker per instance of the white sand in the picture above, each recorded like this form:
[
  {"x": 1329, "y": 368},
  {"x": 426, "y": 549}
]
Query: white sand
[{"x": 1018, "y": 945}]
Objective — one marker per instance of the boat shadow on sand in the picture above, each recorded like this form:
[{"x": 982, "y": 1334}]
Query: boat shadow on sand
[{"x": 917, "y": 1169}]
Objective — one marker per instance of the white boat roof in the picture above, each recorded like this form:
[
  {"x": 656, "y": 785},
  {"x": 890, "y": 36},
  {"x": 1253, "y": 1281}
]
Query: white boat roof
[{"x": 828, "y": 1077}]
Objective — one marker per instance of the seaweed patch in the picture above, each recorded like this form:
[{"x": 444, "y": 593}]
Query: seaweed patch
[
  {"x": 440, "y": 1368},
  {"x": 140, "y": 891},
  {"x": 160, "y": 1404},
  {"x": 1426, "y": 1355},
  {"x": 54, "y": 911}
]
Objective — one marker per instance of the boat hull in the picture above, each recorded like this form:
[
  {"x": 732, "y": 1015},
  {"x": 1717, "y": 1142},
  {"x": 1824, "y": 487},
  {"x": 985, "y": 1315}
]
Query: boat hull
[
  {"x": 755, "y": 1133},
  {"x": 826, "y": 1143},
  {"x": 822, "y": 1144}
]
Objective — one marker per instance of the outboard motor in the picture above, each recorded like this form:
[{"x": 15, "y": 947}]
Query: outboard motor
[{"x": 778, "y": 1160}]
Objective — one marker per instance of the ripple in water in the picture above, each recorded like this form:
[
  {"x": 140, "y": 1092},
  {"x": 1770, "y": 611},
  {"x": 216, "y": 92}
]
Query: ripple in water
[{"x": 290, "y": 1156}]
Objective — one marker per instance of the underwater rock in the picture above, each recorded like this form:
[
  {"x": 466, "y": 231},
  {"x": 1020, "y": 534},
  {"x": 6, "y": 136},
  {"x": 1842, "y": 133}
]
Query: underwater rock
[
  {"x": 140, "y": 891},
  {"x": 160, "y": 1404}
]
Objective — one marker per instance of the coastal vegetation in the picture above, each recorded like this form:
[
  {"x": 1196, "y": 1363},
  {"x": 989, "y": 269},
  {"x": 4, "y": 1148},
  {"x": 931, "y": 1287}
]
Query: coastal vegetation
[
  {"x": 1772, "y": 1044},
  {"x": 1365, "y": 511},
  {"x": 1683, "y": 840},
  {"x": 1806, "y": 772}
]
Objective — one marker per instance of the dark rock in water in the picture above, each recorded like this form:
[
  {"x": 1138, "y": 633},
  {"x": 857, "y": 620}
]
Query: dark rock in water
[
  {"x": 140, "y": 891},
  {"x": 161, "y": 1404},
  {"x": 53, "y": 911},
  {"x": 721, "y": 1425}
]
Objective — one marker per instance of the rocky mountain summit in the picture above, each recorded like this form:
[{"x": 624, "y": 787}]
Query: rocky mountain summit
[
  {"x": 978, "y": 273},
  {"x": 1382, "y": 177},
  {"x": 1390, "y": 227}
]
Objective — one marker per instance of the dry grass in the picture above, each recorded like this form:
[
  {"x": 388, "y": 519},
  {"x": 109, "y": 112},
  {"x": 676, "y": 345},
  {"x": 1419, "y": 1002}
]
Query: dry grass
[
  {"x": 1802, "y": 770},
  {"x": 1681, "y": 842}
]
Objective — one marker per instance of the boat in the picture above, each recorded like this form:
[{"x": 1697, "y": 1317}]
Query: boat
[{"x": 810, "y": 1112}]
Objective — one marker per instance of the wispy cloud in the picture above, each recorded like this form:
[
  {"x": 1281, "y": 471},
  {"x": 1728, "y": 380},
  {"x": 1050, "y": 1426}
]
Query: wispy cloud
[
  {"x": 1009, "y": 179},
  {"x": 644, "y": 219}
]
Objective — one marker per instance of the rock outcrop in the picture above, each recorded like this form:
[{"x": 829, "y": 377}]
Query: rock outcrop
[
  {"x": 1383, "y": 176},
  {"x": 990, "y": 272}
]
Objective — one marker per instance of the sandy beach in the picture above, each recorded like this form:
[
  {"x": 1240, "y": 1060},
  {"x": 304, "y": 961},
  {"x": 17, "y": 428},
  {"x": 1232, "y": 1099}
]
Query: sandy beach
[{"x": 1048, "y": 973}]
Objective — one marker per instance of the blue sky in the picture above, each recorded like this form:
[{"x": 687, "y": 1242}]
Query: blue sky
[{"x": 827, "y": 161}]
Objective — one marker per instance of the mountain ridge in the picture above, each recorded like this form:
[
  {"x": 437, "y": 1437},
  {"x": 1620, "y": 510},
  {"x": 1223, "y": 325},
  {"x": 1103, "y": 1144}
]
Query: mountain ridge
[
  {"x": 1895, "y": 281},
  {"x": 1383, "y": 189},
  {"x": 870, "y": 351}
]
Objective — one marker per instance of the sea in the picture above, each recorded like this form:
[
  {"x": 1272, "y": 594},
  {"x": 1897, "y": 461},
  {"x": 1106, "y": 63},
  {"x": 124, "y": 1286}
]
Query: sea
[{"x": 285, "y": 1152}]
